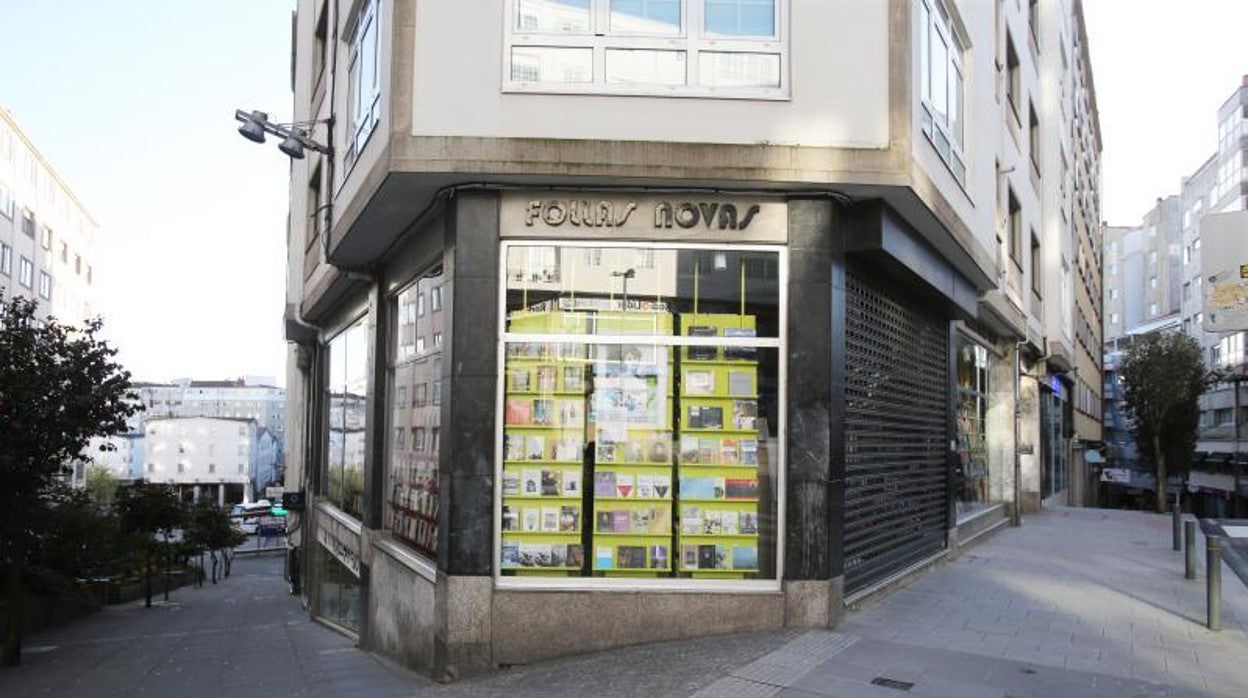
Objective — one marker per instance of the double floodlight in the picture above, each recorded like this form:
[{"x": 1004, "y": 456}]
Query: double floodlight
[{"x": 294, "y": 136}]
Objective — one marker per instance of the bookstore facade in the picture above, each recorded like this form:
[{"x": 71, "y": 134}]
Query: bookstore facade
[{"x": 565, "y": 421}]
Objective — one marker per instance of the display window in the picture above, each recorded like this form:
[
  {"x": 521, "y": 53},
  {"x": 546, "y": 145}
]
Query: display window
[
  {"x": 640, "y": 400},
  {"x": 413, "y": 449},
  {"x": 339, "y": 596},
  {"x": 347, "y": 395},
  {"x": 972, "y": 483}
]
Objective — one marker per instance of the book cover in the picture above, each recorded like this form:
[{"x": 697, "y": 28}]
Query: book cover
[
  {"x": 569, "y": 519},
  {"x": 739, "y": 353},
  {"x": 639, "y": 520},
  {"x": 699, "y": 382},
  {"x": 749, "y": 451},
  {"x": 511, "y": 518},
  {"x": 622, "y": 520},
  {"x": 546, "y": 379},
  {"x": 659, "y": 450},
  {"x": 604, "y": 559},
  {"x": 702, "y": 353},
  {"x": 604, "y": 484},
  {"x": 513, "y": 444},
  {"x": 568, "y": 449},
  {"x": 730, "y": 522},
  {"x": 535, "y": 447},
  {"x": 744, "y": 557},
  {"x": 510, "y": 554},
  {"x": 631, "y": 557},
  {"x": 520, "y": 380},
  {"x": 544, "y": 412},
  {"x": 658, "y": 557},
  {"x": 749, "y": 522},
  {"x": 575, "y": 556},
  {"x": 571, "y": 413},
  {"x": 744, "y": 414},
  {"x": 573, "y": 379},
  {"x": 606, "y": 452},
  {"x": 728, "y": 451},
  {"x": 570, "y": 483},
  {"x": 623, "y": 485},
  {"x": 645, "y": 486},
  {"x": 662, "y": 485},
  {"x": 688, "y": 449},
  {"x": 558, "y": 555},
  {"x": 697, "y": 487},
  {"x": 707, "y": 557},
  {"x": 740, "y": 383},
  {"x": 550, "y": 483},
  {"x": 659, "y": 520},
  {"x": 712, "y": 417},
  {"x": 534, "y": 555},
  {"x": 519, "y": 410},
  {"x": 531, "y": 483},
  {"x": 511, "y": 484},
  {"x": 550, "y": 519},
  {"x": 708, "y": 451},
  {"x": 689, "y": 556},
  {"x": 606, "y": 521},
  {"x": 740, "y": 489},
  {"x": 634, "y": 452},
  {"x": 713, "y": 522},
  {"x": 695, "y": 417},
  {"x": 532, "y": 520},
  {"x": 691, "y": 520}
]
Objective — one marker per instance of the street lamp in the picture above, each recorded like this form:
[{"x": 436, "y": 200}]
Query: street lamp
[
  {"x": 626, "y": 275},
  {"x": 294, "y": 135}
]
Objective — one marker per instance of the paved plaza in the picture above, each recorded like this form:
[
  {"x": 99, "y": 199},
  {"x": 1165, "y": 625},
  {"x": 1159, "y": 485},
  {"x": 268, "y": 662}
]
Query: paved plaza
[{"x": 1077, "y": 602}]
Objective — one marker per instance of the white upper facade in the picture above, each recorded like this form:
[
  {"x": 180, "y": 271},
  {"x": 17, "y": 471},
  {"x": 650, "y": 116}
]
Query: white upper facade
[{"x": 195, "y": 450}]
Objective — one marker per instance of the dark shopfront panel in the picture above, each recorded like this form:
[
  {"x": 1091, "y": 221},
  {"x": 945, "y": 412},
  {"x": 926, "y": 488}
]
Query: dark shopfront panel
[{"x": 896, "y": 429}]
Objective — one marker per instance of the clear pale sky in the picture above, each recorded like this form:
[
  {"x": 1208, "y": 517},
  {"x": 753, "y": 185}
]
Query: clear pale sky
[{"x": 132, "y": 101}]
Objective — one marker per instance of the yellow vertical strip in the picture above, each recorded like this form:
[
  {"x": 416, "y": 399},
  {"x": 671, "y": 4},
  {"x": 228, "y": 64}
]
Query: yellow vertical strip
[
  {"x": 696, "y": 270},
  {"x": 742, "y": 313}
]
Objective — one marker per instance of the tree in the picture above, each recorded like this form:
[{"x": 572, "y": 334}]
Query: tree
[
  {"x": 210, "y": 529},
  {"x": 59, "y": 386},
  {"x": 149, "y": 510},
  {"x": 1163, "y": 377},
  {"x": 101, "y": 486}
]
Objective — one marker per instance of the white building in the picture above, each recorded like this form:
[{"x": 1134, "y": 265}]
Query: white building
[
  {"x": 212, "y": 457},
  {"x": 47, "y": 237}
]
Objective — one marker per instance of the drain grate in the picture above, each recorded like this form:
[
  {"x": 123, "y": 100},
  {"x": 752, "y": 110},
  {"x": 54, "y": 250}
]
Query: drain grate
[{"x": 892, "y": 683}]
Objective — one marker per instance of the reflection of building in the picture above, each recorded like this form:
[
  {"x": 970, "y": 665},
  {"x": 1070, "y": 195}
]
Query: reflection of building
[
  {"x": 865, "y": 280},
  {"x": 47, "y": 237},
  {"x": 210, "y": 457}
]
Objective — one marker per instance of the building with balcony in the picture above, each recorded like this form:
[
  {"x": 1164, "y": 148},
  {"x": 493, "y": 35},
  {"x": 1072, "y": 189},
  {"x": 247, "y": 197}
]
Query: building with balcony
[
  {"x": 680, "y": 317},
  {"x": 47, "y": 236}
]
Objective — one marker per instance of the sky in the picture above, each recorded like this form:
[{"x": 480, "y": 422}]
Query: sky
[{"x": 132, "y": 101}]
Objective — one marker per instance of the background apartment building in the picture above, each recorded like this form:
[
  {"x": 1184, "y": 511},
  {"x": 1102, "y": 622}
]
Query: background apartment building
[
  {"x": 210, "y": 457},
  {"x": 47, "y": 237},
  {"x": 790, "y": 249}
]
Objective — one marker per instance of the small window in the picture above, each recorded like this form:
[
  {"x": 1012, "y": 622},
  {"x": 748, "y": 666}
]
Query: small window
[
  {"x": 212, "y": 468},
  {"x": 420, "y": 305},
  {"x": 46, "y": 241},
  {"x": 1016, "y": 230},
  {"x": 1034, "y": 137},
  {"x": 45, "y": 285},
  {"x": 64, "y": 253},
  {"x": 26, "y": 273},
  {"x": 435, "y": 298},
  {"x": 6, "y": 259},
  {"x": 28, "y": 223},
  {"x": 1037, "y": 268},
  {"x": 1013, "y": 84}
]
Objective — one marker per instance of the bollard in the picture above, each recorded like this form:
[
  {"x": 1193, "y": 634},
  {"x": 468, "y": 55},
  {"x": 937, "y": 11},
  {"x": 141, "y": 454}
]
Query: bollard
[
  {"x": 1177, "y": 521},
  {"x": 1189, "y": 540},
  {"x": 1213, "y": 576}
]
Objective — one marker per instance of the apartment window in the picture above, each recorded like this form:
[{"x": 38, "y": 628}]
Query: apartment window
[
  {"x": 364, "y": 85},
  {"x": 78, "y": 264},
  {"x": 645, "y": 259},
  {"x": 400, "y": 438},
  {"x": 401, "y": 401},
  {"x": 26, "y": 273},
  {"x": 6, "y": 202},
  {"x": 420, "y": 345},
  {"x": 319, "y": 40},
  {"x": 1152, "y": 282},
  {"x": 1152, "y": 256},
  {"x": 64, "y": 253},
  {"x": 1016, "y": 230},
  {"x": 420, "y": 305},
  {"x": 1112, "y": 269},
  {"x": 435, "y": 298},
  {"x": 45, "y": 285},
  {"x": 28, "y": 223},
  {"x": 593, "y": 257},
  {"x": 1033, "y": 131},
  {"x": 313, "y": 205},
  {"x": 212, "y": 468},
  {"x": 1013, "y": 81},
  {"x": 46, "y": 238},
  {"x": 418, "y": 439},
  {"x": 1037, "y": 269},
  {"x": 941, "y": 84},
  {"x": 437, "y": 339},
  {"x": 645, "y": 47},
  {"x": 1033, "y": 20},
  {"x": 1113, "y": 318},
  {"x": 1152, "y": 309},
  {"x": 6, "y": 259}
]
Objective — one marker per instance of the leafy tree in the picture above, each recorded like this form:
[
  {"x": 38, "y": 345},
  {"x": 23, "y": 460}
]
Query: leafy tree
[
  {"x": 101, "y": 486},
  {"x": 59, "y": 386},
  {"x": 1163, "y": 377},
  {"x": 149, "y": 510},
  {"x": 210, "y": 529}
]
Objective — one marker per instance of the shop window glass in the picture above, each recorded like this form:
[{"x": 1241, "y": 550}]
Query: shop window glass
[
  {"x": 339, "y": 598},
  {"x": 348, "y": 395},
  {"x": 414, "y": 485},
  {"x": 641, "y": 414},
  {"x": 976, "y": 482}
]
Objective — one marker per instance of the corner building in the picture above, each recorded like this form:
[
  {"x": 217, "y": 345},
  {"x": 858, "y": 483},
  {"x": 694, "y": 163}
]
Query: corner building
[{"x": 617, "y": 322}]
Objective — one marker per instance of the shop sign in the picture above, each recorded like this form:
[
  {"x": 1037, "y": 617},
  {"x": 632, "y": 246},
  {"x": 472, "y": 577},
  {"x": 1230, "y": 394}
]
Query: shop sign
[
  {"x": 340, "y": 541},
  {"x": 671, "y": 217},
  {"x": 1217, "y": 482},
  {"x": 273, "y": 494},
  {"x": 1118, "y": 476}
]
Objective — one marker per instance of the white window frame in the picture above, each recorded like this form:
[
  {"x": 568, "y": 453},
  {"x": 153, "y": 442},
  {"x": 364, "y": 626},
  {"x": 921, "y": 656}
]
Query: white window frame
[
  {"x": 779, "y": 343},
  {"x": 363, "y": 101},
  {"x": 45, "y": 285},
  {"x": 692, "y": 39},
  {"x": 953, "y": 150},
  {"x": 26, "y": 273},
  {"x": 6, "y": 260}
]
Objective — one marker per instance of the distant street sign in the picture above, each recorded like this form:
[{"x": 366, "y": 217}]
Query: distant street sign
[{"x": 273, "y": 494}]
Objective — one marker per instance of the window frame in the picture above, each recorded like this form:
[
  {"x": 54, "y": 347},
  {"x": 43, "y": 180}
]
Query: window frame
[
  {"x": 363, "y": 122},
  {"x": 692, "y": 39},
  {"x": 779, "y": 343},
  {"x": 6, "y": 259},
  {"x": 948, "y": 135},
  {"x": 26, "y": 273}
]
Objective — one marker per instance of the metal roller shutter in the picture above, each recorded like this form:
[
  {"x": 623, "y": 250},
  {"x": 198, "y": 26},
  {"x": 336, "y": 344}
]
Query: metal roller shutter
[{"x": 896, "y": 433}]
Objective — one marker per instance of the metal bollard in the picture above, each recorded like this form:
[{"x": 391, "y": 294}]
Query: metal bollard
[
  {"x": 1213, "y": 575},
  {"x": 1177, "y": 521},
  {"x": 1189, "y": 540}
]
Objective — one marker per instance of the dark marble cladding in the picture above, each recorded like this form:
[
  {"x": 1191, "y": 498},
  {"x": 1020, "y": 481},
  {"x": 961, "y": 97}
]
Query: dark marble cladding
[
  {"x": 466, "y": 521},
  {"x": 808, "y": 429}
]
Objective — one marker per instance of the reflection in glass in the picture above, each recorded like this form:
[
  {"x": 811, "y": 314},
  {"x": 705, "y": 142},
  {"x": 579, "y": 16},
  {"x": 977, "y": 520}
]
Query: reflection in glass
[
  {"x": 741, "y": 17},
  {"x": 553, "y": 16},
  {"x": 338, "y": 598},
  {"x": 414, "y": 448},
  {"x": 972, "y": 479},
  {"x": 721, "y": 69},
  {"x": 645, "y": 67},
  {"x": 651, "y": 17},
  {"x": 552, "y": 64},
  {"x": 348, "y": 395}
]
